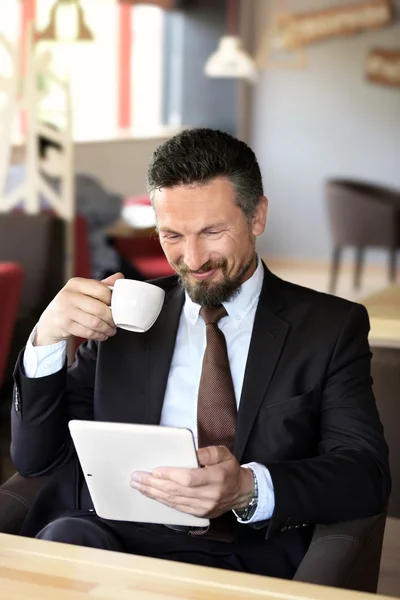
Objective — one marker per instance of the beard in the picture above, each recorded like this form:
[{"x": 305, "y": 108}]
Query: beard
[{"x": 208, "y": 293}]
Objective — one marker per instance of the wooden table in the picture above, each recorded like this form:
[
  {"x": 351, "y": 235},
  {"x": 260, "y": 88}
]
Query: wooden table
[
  {"x": 384, "y": 313},
  {"x": 136, "y": 220},
  {"x": 33, "y": 569},
  {"x": 122, "y": 229}
]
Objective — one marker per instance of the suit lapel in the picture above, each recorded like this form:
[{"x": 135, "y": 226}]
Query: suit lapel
[
  {"x": 268, "y": 338},
  {"x": 161, "y": 349}
]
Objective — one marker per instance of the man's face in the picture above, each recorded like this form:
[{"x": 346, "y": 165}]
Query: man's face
[{"x": 207, "y": 238}]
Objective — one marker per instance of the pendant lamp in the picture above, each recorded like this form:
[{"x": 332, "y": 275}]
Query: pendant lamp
[
  {"x": 67, "y": 23},
  {"x": 230, "y": 59}
]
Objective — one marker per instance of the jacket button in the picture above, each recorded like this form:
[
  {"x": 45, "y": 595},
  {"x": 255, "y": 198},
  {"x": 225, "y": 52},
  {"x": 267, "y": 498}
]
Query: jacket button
[{"x": 284, "y": 528}]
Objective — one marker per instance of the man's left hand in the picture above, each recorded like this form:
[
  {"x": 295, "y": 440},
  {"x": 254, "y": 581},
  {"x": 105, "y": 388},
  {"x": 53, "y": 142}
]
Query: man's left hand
[{"x": 221, "y": 485}]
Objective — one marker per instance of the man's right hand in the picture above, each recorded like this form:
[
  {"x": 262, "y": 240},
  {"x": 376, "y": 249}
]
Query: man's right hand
[{"x": 82, "y": 309}]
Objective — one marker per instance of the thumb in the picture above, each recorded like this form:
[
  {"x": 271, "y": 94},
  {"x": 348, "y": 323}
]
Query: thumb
[
  {"x": 212, "y": 455},
  {"x": 112, "y": 279}
]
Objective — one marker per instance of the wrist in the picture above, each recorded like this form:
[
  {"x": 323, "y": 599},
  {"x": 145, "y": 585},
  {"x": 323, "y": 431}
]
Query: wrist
[
  {"x": 246, "y": 512},
  {"x": 246, "y": 488},
  {"x": 41, "y": 338}
]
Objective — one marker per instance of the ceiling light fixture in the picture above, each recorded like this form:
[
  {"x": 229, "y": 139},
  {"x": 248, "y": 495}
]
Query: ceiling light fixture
[
  {"x": 230, "y": 59},
  {"x": 67, "y": 23}
]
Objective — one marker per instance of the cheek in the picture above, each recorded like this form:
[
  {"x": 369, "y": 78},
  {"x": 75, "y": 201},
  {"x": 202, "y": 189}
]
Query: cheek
[
  {"x": 235, "y": 247},
  {"x": 171, "y": 251}
]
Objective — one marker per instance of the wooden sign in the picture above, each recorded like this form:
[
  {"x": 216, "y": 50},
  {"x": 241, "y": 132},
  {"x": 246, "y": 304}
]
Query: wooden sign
[
  {"x": 295, "y": 31},
  {"x": 166, "y": 4},
  {"x": 383, "y": 66}
]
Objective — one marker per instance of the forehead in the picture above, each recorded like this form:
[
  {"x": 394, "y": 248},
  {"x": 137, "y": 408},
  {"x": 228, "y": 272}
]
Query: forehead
[{"x": 212, "y": 200}]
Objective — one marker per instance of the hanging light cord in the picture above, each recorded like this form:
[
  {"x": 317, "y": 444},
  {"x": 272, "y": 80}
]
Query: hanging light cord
[{"x": 232, "y": 11}]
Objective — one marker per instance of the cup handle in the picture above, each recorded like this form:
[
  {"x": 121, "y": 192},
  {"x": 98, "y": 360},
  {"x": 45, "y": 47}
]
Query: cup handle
[{"x": 110, "y": 287}]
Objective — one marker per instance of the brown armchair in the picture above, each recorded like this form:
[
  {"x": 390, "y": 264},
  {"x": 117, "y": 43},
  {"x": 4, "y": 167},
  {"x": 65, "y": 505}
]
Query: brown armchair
[
  {"x": 362, "y": 215},
  {"x": 345, "y": 555}
]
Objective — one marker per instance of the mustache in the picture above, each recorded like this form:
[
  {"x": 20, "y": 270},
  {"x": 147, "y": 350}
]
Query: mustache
[{"x": 183, "y": 269}]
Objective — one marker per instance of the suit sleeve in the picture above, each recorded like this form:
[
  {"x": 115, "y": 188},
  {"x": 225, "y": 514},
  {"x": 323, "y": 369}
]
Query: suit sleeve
[
  {"x": 42, "y": 408},
  {"x": 349, "y": 479}
]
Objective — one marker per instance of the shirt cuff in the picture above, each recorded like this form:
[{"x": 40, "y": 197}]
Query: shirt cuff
[
  {"x": 266, "y": 493},
  {"x": 41, "y": 361}
]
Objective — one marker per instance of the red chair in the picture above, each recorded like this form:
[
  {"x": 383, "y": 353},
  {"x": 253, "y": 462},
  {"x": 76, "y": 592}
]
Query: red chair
[
  {"x": 11, "y": 278},
  {"x": 153, "y": 267},
  {"x": 143, "y": 199},
  {"x": 145, "y": 252}
]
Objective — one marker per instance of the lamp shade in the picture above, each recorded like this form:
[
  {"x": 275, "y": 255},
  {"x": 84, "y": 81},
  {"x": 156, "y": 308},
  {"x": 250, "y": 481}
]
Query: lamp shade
[
  {"x": 67, "y": 23},
  {"x": 166, "y": 4},
  {"x": 231, "y": 60}
]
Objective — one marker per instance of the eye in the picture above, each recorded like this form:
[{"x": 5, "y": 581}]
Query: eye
[{"x": 213, "y": 232}]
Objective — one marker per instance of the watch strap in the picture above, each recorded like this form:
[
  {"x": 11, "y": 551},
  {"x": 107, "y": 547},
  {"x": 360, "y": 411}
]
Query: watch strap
[{"x": 245, "y": 514}]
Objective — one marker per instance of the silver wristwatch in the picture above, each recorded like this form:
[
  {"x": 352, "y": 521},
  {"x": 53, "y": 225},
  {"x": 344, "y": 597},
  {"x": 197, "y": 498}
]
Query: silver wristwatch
[{"x": 245, "y": 514}]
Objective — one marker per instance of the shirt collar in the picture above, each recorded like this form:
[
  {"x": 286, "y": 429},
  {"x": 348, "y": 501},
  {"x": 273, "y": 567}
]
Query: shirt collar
[{"x": 239, "y": 307}]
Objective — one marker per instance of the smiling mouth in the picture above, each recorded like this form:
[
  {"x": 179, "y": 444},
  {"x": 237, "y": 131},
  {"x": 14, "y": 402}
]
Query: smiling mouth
[{"x": 203, "y": 274}]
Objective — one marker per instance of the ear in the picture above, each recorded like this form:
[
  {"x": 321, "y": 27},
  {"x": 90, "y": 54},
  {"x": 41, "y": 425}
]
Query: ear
[{"x": 259, "y": 219}]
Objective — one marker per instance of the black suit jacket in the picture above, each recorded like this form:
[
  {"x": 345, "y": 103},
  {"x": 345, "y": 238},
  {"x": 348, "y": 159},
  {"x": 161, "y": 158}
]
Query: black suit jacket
[{"x": 307, "y": 410}]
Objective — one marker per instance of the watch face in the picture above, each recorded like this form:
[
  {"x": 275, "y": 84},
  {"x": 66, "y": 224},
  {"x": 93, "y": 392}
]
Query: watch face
[{"x": 246, "y": 513}]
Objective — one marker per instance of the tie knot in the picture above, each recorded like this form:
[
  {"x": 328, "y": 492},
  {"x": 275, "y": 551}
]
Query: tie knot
[{"x": 213, "y": 315}]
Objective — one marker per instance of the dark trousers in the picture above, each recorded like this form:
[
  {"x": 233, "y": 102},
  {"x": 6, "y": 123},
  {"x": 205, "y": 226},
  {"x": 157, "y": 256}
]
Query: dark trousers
[{"x": 249, "y": 553}]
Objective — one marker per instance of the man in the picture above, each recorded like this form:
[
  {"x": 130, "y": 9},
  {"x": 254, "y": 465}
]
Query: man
[{"x": 273, "y": 380}]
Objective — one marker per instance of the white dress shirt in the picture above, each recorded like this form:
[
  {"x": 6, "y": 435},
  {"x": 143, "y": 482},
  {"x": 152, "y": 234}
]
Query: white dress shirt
[{"x": 180, "y": 402}]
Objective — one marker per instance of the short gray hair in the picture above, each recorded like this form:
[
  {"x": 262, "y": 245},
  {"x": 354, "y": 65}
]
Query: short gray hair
[{"x": 197, "y": 156}]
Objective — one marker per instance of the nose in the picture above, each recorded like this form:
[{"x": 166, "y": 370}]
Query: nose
[{"x": 195, "y": 255}]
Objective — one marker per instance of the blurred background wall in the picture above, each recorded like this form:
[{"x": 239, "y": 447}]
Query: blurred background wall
[
  {"x": 152, "y": 62},
  {"x": 191, "y": 98},
  {"x": 323, "y": 121}
]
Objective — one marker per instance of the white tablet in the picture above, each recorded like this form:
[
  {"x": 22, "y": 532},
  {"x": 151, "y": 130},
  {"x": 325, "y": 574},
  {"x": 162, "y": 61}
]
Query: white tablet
[{"x": 110, "y": 452}]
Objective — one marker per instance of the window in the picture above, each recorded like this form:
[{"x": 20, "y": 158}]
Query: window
[
  {"x": 147, "y": 68},
  {"x": 93, "y": 68}
]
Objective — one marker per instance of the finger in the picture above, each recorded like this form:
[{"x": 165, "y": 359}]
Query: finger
[
  {"x": 165, "y": 486},
  {"x": 191, "y": 503},
  {"x": 212, "y": 455},
  {"x": 90, "y": 322},
  {"x": 91, "y": 288},
  {"x": 80, "y": 331},
  {"x": 182, "y": 506},
  {"x": 184, "y": 477},
  {"x": 191, "y": 478},
  {"x": 113, "y": 278},
  {"x": 93, "y": 307}
]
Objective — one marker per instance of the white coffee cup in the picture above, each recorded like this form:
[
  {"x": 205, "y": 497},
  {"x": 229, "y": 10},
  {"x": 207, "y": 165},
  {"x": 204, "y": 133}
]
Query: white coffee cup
[{"x": 135, "y": 305}]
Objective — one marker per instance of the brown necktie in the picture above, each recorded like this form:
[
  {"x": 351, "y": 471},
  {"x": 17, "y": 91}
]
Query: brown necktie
[
  {"x": 216, "y": 405},
  {"x": 216, "y": 408}
]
